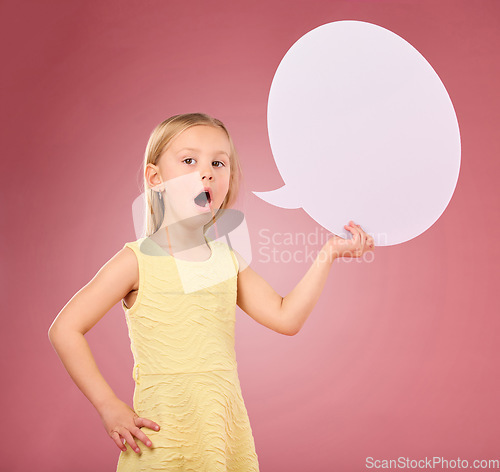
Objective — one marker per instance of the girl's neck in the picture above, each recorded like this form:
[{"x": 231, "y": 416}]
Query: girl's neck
[{"x": 178, "y": 238}]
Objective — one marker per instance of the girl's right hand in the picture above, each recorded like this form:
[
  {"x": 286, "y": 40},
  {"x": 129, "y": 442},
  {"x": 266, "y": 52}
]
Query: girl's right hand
[
  {"x": 353, "y": 247},
  {"x": 121, "y": 422}
]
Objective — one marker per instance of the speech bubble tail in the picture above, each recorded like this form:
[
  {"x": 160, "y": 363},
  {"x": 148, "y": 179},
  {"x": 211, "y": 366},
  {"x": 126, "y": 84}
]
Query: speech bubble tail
[{"x": 283, "y": 197}]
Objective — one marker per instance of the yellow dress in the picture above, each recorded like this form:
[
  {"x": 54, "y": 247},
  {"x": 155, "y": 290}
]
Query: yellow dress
[{"x": 181, "y": 330}]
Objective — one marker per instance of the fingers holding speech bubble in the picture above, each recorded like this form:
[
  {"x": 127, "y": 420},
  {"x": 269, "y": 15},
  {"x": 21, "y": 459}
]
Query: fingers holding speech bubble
[{"x": 362, "y": 128}]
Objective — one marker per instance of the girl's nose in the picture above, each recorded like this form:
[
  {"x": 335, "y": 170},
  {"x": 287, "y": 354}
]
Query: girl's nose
[{"x": 206, "y": 174}]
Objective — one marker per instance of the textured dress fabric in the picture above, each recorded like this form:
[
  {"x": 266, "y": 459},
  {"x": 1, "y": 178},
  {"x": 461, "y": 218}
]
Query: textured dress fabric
[{"x": 181, "y": 330}]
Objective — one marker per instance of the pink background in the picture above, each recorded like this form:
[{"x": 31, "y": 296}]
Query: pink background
[{"x": 400, "y": 355}]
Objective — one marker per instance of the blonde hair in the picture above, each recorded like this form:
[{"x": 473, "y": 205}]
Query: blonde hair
[{"x": 159, "y": 140}]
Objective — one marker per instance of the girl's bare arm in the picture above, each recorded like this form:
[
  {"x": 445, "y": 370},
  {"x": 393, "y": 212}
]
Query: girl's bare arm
[
  {"x": 113, "y": 282},
  {"x": 287, "y": 315}
]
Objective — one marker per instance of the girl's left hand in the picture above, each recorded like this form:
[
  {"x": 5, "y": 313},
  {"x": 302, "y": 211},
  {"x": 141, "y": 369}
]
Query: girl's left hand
[{"x": 354, "y": 247}]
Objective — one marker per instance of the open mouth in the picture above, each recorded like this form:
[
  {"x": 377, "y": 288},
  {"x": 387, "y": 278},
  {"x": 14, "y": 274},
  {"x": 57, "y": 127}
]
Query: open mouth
[{"x": 203, "y": 199}]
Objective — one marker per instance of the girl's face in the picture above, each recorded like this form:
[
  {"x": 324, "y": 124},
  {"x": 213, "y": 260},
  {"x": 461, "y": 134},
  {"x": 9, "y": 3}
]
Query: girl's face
[{"x": 195, "y": 160}]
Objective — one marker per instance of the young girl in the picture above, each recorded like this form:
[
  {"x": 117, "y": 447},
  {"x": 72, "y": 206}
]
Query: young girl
[{"x": 179, "y": 292}]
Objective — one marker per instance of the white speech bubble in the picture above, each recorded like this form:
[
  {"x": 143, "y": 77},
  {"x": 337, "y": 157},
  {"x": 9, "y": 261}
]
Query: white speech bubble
[{"x": 362, "y": 128}]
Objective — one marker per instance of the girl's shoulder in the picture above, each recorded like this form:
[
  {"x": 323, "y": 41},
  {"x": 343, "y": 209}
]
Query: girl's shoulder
[
  {"x": 144, "y": 246},
  {"x": 224, "y": 247},
  {"x": 128, "y": 257},
  {"x": 242, "y": 263}
]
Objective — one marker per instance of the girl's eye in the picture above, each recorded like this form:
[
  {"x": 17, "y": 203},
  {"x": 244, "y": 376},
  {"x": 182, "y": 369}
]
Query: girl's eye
[{"x": 191, "y": 159}]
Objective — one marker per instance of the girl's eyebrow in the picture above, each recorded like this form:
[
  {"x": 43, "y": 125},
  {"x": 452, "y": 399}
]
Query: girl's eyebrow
[{"x": 197, "y": 150}]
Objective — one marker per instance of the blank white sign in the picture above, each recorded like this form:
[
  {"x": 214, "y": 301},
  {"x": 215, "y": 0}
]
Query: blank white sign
[{"x": 362, "y": 128}]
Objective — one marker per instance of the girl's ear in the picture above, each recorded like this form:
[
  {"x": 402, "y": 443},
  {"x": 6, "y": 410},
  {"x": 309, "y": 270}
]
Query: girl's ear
[{"x": 152, "y": 175}]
